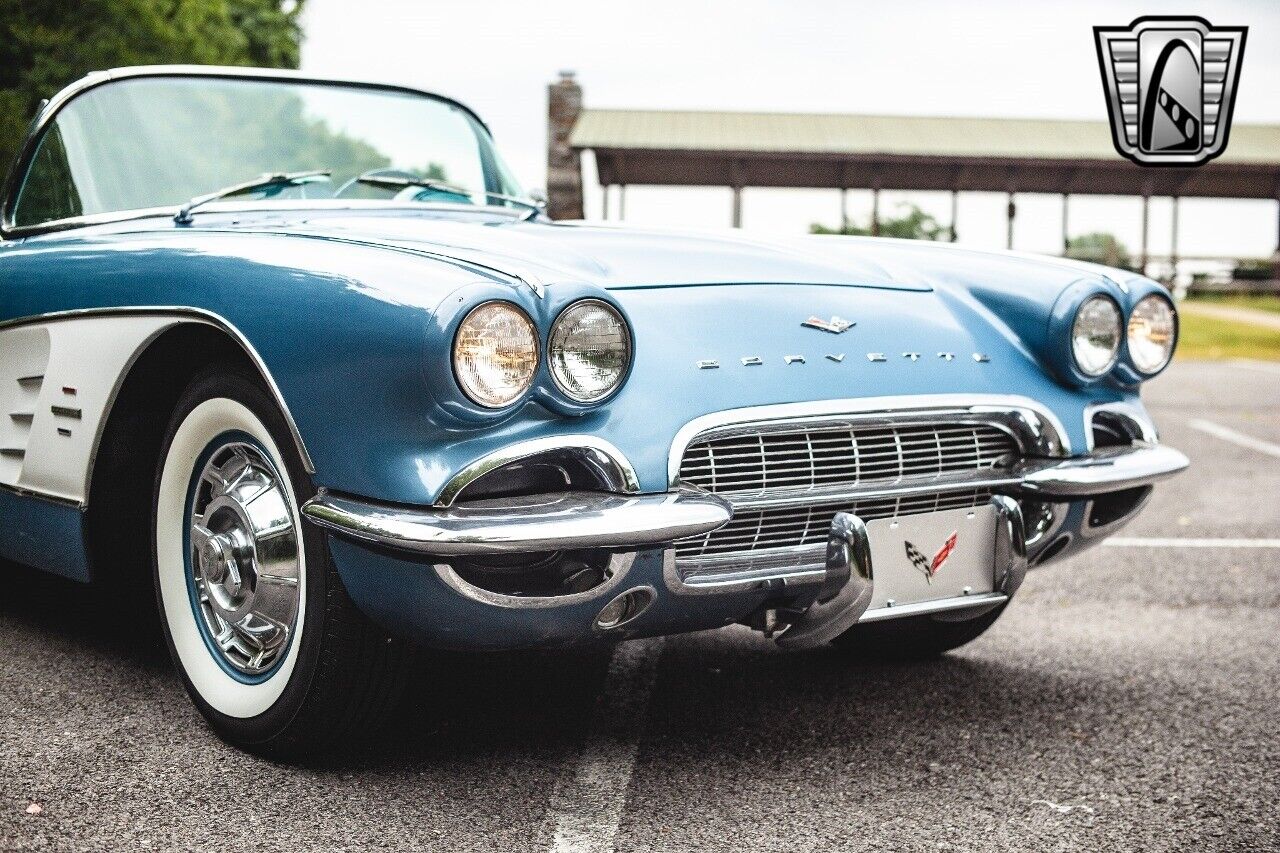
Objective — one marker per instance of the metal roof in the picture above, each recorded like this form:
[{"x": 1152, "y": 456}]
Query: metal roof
[
  {"x": 668, "y": 147},
  {"x": 828, "y": 133}
]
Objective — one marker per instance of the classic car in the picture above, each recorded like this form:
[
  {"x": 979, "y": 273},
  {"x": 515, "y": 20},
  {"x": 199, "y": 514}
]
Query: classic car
[{"x": 301, "y": 355}]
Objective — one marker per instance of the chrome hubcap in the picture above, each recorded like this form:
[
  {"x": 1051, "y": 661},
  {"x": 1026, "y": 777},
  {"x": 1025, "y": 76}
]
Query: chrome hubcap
[{"x": 244, "y": 558}]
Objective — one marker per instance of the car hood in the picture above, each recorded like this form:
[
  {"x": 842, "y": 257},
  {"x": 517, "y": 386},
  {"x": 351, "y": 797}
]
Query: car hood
[{"x": 622, "y": 257}]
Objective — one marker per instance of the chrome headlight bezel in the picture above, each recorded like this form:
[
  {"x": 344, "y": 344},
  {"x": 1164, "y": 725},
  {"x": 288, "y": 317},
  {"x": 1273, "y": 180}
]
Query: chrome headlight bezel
[
  {"x": 1151, "y": 368},
  {"x": 555, "y": 347},
  {"x": 1088, "y": 311},
  {"x": 533, "y": 355}
]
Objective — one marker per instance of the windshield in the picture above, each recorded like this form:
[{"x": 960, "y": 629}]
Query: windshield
[{"x": 151, "y": 142}]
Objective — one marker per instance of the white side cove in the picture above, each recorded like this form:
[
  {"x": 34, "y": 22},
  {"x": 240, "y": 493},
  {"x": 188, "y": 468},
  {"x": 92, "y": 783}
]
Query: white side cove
[{"x": 57, "y": 382}]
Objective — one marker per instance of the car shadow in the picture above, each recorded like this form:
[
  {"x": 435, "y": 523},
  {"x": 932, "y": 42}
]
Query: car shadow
[{"x": 715, "y": 692}]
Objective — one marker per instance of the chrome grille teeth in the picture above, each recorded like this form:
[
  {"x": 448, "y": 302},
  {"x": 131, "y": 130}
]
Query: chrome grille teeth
[{"x": 748, "y": 466}]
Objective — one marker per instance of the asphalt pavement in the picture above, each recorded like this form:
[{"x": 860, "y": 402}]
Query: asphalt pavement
[{"x": 1129, "y": 699}]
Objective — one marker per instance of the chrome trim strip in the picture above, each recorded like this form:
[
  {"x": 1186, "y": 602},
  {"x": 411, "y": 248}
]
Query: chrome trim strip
[
  {"x": 941, "y": 605},
  {"x": 194, "y": 314},
  {"x": 804, "y": 565},
  {"x": 1037, "y": 422},
  {"x": 619, "y": 567},
  {"x": 54, "y": 105},
  {"x": 1131, "y": 412},
  {"x": 534, "y": 523},
  {"x": 906, "y": 487},
  {"x": 1109, "y": 470},
  {"x": 606, "y": 459}
]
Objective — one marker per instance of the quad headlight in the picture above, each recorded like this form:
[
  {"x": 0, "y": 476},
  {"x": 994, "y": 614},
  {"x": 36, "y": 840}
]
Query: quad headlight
[
  {"x": 589, "y": 351},
  {"x": 495, "y": 354},
  {"x": 1095, "y": 335},
  {"x": 1153, "y": 330}
]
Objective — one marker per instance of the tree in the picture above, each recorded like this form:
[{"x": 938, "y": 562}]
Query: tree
[
  {"x": 46, "y": 44},
  {"x": 1100, "y": 248},
  {"x": 913, "y": 224}
]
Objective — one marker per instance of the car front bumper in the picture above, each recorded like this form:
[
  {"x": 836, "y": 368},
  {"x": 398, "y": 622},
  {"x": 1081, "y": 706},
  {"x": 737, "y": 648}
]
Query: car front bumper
[{"x": 407, "y": 577}]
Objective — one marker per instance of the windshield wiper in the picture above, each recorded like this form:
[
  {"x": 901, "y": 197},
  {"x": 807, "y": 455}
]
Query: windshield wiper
[
  {"x": 374, "y": 179},
  {"x": 262, "y": 182}
]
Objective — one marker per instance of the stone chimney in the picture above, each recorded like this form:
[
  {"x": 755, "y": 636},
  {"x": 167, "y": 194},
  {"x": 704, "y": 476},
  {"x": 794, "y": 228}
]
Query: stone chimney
[{"x": 564, "y": 165}]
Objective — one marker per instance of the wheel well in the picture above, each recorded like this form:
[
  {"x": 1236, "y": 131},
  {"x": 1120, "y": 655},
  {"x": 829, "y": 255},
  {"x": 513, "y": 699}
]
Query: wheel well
[{"x": 118, "y": 520}]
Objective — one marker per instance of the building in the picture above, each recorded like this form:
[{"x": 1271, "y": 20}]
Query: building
[{"x": 847, "y": 152}]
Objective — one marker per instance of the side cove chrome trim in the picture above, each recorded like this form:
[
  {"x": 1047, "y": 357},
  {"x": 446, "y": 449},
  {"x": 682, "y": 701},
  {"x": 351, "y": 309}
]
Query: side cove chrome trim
[
  {"x": 180, "y": 314},
  {"x": 1033, "y": 425},
  {"x": 603, "y": 457}
]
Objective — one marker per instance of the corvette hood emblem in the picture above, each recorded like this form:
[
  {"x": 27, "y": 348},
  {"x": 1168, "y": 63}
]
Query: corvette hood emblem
[
  {"x": 835, "y": 325},
  {"x": 931, "y": 567}
]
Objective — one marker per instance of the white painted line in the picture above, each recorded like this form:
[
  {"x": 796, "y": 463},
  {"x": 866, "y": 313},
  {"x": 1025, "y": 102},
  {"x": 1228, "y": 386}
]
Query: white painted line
[
  {"x": 1238, "y": 438},
  {"x": 1271, "y": 367},
  {"x": 588, "y": 801},
  {"x": 1178, "y": 542}
]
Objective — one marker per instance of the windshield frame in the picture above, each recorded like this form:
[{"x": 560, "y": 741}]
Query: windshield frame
[{"x": 50, "y": 109}]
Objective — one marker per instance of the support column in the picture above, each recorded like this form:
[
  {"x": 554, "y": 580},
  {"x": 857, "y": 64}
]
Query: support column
[
  {"x": 955, "y": 200},
  {"x": 564, "y": 163},
  {"x": 1275, "y": 259},
  {"x": 737, "y": 207},
  {"x": 622, "y": 201},
  {"x": 1146, "y": 217},
  {"x": 1066, "y": 232},
  {"x": 1012, "y": 211},
  {"x": 875, "y": 211},
  {"x": 604, "y": 201},
  {"x": 844, "y": 209},
  {"x": 1173, "y": 245}
]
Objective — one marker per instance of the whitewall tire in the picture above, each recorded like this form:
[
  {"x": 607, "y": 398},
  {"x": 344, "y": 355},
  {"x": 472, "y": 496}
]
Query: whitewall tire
[{"x": 267, "y": 643}]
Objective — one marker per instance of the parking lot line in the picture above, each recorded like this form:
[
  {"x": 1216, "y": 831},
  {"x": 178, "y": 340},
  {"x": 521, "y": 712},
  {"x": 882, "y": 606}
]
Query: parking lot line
[
  {"x": 588, "y": 800},
  {"x": 1237, "y": 438},
  {"x": 1187, "y": 542}
]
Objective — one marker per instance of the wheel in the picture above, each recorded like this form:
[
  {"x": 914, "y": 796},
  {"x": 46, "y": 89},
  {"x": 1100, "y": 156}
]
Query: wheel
[
  {"x": 915, "y": 637},
  {"x": 266, "y": 641}
]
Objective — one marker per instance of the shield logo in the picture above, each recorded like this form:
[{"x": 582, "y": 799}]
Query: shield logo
[{"x": 1170, "y": 84}]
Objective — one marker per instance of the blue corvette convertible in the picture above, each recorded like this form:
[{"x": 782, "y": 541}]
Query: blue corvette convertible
[{"x": 303, "y": 355}]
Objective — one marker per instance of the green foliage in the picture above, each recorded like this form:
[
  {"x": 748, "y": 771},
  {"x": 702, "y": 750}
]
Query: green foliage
[
  {"x": 46, "y": 44},
  {"x": 912, "y": 224},
  {"x": 1100, "y": 248}
]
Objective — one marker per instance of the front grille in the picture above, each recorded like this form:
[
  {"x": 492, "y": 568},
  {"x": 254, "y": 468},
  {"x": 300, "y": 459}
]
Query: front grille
[
  {"x": 742, "y": 464},
  {"x": 819, "y": 470}
]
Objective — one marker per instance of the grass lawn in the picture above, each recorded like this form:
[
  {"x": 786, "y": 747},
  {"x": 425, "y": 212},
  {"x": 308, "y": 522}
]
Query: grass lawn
[
  {"x": 1205, "y": 337},
  {"x": 1257, "y": 301}
]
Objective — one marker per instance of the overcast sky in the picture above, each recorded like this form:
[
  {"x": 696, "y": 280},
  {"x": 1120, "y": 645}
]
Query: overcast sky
[{"x": 1001, "y": 59}]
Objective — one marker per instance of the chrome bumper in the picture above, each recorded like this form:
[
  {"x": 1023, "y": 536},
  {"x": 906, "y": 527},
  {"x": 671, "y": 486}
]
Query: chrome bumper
[
  {"x": 576, "y": 520},
  {"x": 535, "y": 523},
  {"x": 1110, "y": 470}
]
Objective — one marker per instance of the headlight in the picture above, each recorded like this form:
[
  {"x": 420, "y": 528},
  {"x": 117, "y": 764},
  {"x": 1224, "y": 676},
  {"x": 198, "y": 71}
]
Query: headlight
[
  {"x": 590, "y": 349},
  {"x": 495, "y": 354},
  {"x": 1095, "y": 335},
  {"x": 1152, "y": 332}
]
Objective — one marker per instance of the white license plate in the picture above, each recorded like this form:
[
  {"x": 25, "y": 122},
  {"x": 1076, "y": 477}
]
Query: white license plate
[{"x": 919, "y": 558}]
